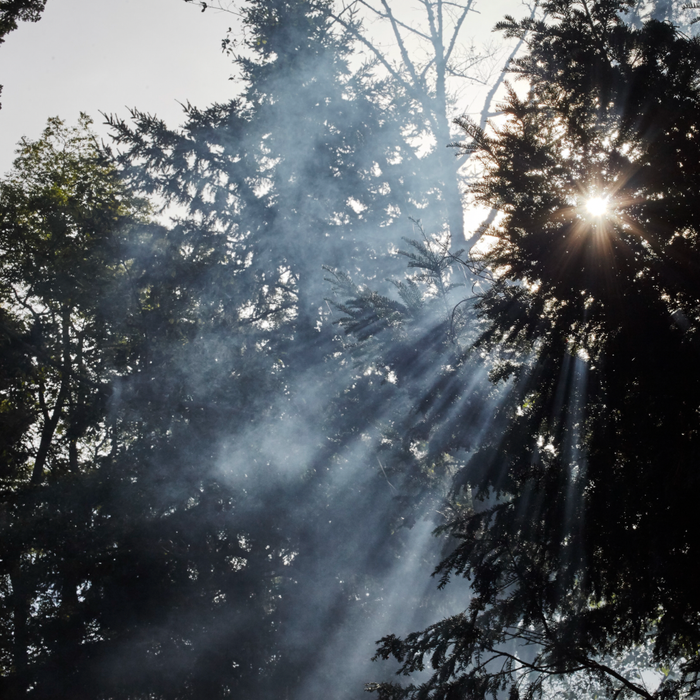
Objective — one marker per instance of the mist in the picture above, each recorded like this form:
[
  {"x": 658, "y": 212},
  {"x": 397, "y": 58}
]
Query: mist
[
  {"x": 336, "y": 500},
  {"x": 250, "y": 409}
]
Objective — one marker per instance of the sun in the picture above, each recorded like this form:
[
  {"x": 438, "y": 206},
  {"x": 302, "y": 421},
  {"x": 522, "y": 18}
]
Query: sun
[{"x": 597, "y": 206}]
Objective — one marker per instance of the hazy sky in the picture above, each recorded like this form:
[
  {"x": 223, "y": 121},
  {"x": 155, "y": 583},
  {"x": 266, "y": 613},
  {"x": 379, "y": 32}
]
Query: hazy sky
[
  {"x": 108, "y": 55},
  {"x": 105, "y": 56}
]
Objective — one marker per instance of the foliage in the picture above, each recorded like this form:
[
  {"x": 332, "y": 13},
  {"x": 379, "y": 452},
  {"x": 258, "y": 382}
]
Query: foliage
[
  {"x": 205, "y": 485},
  {"x": 309, "y": 166},
  {"x": 13, "y": 11},
  {"x": 112, "y": 513},
  {"x": 410, "y": 60},
  {"x": 578, "y": 541},
  {"x": 315, "y": 163},
  {"x": 62, "y": 209}
]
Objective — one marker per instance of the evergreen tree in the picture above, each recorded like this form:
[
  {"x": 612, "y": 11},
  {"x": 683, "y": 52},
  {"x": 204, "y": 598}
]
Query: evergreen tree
[
  {"x": 412, "y": 79},
  {"x": 310, "y": 157},
  {"x": 574, "y": 518},
  {"x": 306, "y": 168}
]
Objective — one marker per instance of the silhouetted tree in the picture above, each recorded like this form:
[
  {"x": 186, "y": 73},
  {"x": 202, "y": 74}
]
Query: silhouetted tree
[
  {"x": 62, "y": 210},
  {"x": 124, "y": 362},
  {"x": 306, "y": 168},
  {"x": 574, "y": 516},
  {"x": 14, "y": 11}
]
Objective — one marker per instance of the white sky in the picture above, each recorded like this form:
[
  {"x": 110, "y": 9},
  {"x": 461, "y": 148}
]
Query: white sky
[
  {"x": 105, "y": 56},
  {"x": 108, "y": 55}
]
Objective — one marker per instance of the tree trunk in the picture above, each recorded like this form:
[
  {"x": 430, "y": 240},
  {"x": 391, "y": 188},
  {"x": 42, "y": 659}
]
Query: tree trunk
[{"x": 51, "y": 422}]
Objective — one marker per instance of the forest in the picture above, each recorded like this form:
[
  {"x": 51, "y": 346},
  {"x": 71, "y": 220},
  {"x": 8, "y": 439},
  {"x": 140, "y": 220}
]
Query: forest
[{"x": 344, "y": 386}]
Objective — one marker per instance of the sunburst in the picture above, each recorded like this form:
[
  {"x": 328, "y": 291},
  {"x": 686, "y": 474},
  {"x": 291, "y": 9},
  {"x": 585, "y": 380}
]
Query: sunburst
[{"x": 597, "y": 206}]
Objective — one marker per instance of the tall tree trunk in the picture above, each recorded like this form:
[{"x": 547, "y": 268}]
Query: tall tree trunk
[
  {"x": 20, "y": 639},
  {"x": 51, "y": 422}
]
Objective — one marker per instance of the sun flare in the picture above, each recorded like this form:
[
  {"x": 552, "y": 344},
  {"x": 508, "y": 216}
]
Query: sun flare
[{"x": 597, "y": 206}]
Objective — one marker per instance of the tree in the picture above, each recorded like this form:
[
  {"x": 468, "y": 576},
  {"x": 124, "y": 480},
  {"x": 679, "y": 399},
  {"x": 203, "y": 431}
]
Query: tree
[
  {"x": 574, "y": 517},
  {"x": 416, "y": 79},
  {"x": 13, "y": 11},
  {"x": 112, "y": 513},
  {"x": 62, "y": 210},
  {"x": 306, "y": 168}
]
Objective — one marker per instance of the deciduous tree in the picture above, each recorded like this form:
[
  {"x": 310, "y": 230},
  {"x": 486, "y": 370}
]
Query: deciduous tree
[{"x": 125, "y": 360}]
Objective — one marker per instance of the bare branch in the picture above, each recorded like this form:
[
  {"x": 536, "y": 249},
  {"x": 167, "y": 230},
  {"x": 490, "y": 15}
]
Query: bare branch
[
  {"x": 400, "y": 42},
  {"x": 434, "y": 32},
  {"x": 377, "y": 53},
  {"x": 494, "y": 89},
  {"x": 405, "y": 26},
  {"x": 457, "y": 29}
]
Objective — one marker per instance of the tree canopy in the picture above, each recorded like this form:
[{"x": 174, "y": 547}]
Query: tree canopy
[
  {"x": 14, "y": 11},
  {"x": 112, "y": 514},
  {"x": 220, "y": 471},
  {"x": 574, "y": 518}
]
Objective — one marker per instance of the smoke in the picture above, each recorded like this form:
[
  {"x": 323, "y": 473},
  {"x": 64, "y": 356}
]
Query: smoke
[
  {"x": 296, "y": 396},
  {"x": 299, "y": 476},
  {"x": 357, "y": 574}
]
